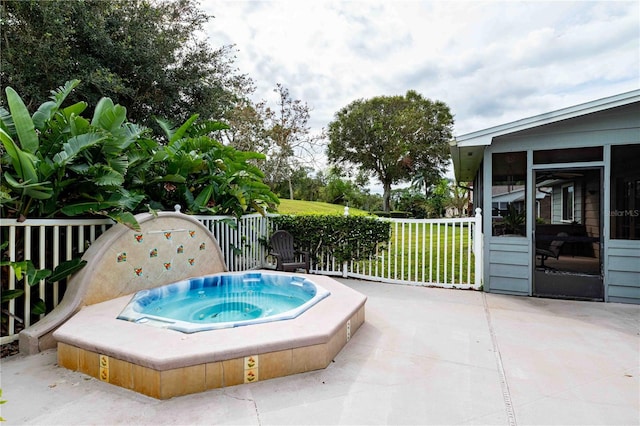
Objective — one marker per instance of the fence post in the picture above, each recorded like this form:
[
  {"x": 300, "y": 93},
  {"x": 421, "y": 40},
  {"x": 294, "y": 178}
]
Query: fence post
[
  {"x": 345, "y": 265},
  {"x": 478, "y": 245}
]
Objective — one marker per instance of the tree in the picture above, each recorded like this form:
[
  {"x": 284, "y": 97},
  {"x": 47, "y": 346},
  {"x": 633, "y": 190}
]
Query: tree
[
  {"x": 246, "y": 130},
  {"x": 290, "y": 142},
  {"x": 439, "y": 199},
  {"x": 395, "y": 138},
  {"x": 145, "y": 55},
  {"x": 459, "y": 201}
]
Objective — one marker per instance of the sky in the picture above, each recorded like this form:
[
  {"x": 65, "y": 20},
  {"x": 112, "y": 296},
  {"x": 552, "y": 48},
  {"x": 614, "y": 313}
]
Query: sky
[{"x": 490, "y": 62}]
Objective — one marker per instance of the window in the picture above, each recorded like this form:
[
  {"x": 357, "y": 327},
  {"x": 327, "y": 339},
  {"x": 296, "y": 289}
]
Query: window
[
  {"x": 568, "y": 155},
  {"x": 625, "y": 192},
  {"x": 567, "y": 203},
  {"x": 508, "y": 193}
]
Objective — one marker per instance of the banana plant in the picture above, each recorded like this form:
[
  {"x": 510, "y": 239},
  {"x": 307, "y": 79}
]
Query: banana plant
[
  {"x": 26, "y": 182},
  {"x": 57, "y": 161},
  {"x": 216, "y": 179}
]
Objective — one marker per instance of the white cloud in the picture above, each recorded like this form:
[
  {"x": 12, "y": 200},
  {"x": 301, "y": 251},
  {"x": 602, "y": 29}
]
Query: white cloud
[{"x": 491, "y": 62}]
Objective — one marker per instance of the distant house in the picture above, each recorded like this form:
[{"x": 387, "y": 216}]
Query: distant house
[{"x": 563, "y": 192}]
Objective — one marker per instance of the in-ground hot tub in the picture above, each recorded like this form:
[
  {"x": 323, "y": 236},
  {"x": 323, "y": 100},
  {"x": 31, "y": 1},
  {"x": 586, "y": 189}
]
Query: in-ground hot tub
[
  {"x": 163, "y": 363},
  {"x": 224, "y": 300}
]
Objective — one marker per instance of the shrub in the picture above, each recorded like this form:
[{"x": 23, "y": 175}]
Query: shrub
[
  {"x": 345, "y": 237},
  {"x": 394, "y": 214}
]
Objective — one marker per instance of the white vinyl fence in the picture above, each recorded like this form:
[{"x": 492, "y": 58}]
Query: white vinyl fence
[{"x": 434, "y": 252}]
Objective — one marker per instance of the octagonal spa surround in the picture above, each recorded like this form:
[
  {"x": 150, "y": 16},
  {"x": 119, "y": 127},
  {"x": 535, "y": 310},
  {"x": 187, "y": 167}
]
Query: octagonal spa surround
[{"x": 164, "y": 363}]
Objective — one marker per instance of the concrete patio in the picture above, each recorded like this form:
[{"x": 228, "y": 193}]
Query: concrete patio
[{"x": 423, "y": 356}]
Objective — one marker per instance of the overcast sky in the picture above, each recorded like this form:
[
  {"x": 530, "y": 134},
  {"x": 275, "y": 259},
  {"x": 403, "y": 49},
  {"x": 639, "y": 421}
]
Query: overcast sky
[{"x": 491, "y": 62}]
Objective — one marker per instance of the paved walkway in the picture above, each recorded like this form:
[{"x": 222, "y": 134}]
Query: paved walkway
[{"x": 423, "y": 356}]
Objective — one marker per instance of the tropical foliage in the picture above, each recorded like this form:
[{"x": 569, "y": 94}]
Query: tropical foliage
[{"x": 56, "y": 162}]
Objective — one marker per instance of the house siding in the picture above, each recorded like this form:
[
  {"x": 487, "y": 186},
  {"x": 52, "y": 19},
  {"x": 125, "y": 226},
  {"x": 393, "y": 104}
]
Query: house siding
[
  {"x": 622, "y": 277},
  {"x": 508, "y": 266},
  {"x": 509, "y": 262}
]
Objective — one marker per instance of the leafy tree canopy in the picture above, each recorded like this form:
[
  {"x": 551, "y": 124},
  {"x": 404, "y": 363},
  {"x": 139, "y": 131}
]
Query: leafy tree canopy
[
  {"x": 395, "y": 138},
  {"x": 145, "y": 55},
  {"x": 279, "y": 131}
]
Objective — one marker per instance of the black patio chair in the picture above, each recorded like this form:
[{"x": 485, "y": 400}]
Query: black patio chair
[
  {"x": 289, "y": 259},
  {"x": 554, "y": 249}
]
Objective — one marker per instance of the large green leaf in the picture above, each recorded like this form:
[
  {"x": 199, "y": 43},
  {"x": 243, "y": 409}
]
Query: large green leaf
[
  {"x": 35, "y": 275},
  {"x": 23, "y": 164},
  {"x": 202, "y": 199},
  {"x": 125, "y": 218},
  {"x": 6, "y": 121},
  {"x": 23, "y": 122},
  {"x": 182, "y": 131},
  {"x": 208, "y": 127},
  {"x": 38, "y": 307},
  {"x": 78, "y": 125},
  {"x": 47, "y": 110},
  {"x": 75, "y": 145},
  {"x": 119, "y": 164},
  {"x": 106, "y": 176},
  {"x": 78, "y": 209},
  {"x": 11, "y": 294},
  {"x": 19, "y": 268},
  {"x": 166, "y": 127},
  {"x": 173, "y": 134},
  {"x": 75, "y": 109},
  {"x": 108, "y": 116},
  {"x": 122, "y": 137},
  {"x": 104, "y": 104},
  {"x": 126, "y": 200},
  {"x": 44, "y": 114},
  {"x": 169, "y": 178},
  {"x": 65, "y": 269}
]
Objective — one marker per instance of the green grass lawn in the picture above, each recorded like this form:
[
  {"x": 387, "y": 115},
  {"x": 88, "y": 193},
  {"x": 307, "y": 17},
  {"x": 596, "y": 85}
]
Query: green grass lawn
[
  {"x": 444, "y": 267},
  {"x": 314, "y": 207}
]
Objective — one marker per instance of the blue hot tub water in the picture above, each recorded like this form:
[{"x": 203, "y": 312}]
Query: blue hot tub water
[{"x": 223, "y": 300}]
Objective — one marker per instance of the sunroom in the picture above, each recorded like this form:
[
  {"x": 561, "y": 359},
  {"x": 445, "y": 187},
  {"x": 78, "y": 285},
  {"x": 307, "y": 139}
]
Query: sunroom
[{"x": 563, "y": 189}]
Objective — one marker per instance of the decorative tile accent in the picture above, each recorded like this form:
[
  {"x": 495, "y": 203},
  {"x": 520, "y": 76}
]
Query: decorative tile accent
[
  {"x": 202, "y": 246},
  {"x": 167, "y": 235},
  {"x": 139, "y": 237},
  {"x": 167, "y": 266},
  {"x": 153, "y": 253},
  {"x": 251, "y": 369},
  {"x": 122, "y": 257},
  {"x": 104, "y": 361},
  {"x": 191, "y": 261},
  {"x": 251, "y": 376},
  {"x": 104, "y": 368},
  {"x": 251, "y": 362},
  {"x": 180, "y": 249},
  {"x": 192, "y": 234},
  {"x": 138, "y": 271}
]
